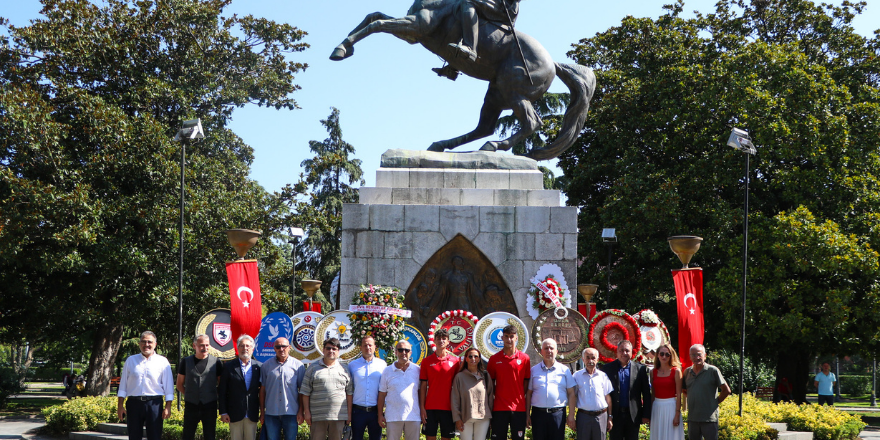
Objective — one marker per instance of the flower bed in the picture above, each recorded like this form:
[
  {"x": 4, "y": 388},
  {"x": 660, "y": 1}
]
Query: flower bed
[{"x": 825, "y": 422}]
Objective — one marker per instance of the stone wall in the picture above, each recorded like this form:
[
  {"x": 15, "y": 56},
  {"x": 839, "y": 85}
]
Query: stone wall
[{"x": 412, "y": 212}]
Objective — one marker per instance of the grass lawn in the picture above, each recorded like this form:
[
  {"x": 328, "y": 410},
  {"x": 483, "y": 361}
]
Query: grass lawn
[{"x": 27, "y": 407}]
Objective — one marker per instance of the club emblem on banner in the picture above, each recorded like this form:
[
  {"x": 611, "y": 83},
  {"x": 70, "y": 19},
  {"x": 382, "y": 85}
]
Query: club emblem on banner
[
  {"x": 217, "y": 324},
  {"x": 222, "y": 333}
]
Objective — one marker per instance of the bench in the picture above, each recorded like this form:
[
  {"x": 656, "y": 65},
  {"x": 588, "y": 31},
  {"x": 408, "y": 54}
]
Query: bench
[
  {"x": 764, "y": 393},
  {"x": 114, "y": 382}
]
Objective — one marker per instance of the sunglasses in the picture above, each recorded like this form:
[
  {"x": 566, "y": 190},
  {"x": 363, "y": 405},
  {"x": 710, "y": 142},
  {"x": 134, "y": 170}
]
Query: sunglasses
[
  {"x": 664, "y": 354},
  {"x": 281, "y": 347},
  {"x": 403, "y": 350}
]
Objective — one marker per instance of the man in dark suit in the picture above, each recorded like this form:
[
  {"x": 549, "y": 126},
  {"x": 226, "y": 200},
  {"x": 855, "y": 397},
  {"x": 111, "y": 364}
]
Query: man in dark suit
[
  {"x": 239, "y": 393},
  {"x": 631, "y": 398}
]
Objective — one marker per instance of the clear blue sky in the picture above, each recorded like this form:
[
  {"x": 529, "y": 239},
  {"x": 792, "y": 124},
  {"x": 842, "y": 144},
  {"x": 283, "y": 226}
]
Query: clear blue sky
[{"x": 387, "y": 94}]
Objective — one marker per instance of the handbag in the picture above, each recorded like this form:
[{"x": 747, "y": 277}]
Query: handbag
[{"x": 346, "y": 433}]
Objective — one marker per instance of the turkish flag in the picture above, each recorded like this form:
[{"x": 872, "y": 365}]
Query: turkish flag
[
  {"x": 689, "y": 296},
  {"x": 244, "y": 298}
]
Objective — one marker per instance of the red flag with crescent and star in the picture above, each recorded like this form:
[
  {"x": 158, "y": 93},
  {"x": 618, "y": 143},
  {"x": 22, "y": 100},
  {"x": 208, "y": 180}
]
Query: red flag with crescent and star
[
  {"x": 689, "y": 296},
  {"x": 244, "y": 298}
]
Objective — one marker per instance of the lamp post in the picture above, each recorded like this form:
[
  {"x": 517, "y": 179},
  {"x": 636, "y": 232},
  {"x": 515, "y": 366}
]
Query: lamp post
[
  {"x": 609, "y": 238},
  {"x": 740, "y": 140},
  {"x": 295, "y": 235},
  {"x": 873, "y": 383},
  {"x": 191, "y": 129}
]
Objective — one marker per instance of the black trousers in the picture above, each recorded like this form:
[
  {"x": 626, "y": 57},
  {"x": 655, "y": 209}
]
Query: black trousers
[
  {"x": 140, "y": 413},
  {"x": 365, "y": 421},
  {"x": 502, "y": 420},
  {"x": 193, "y": 413},
  {"x": 548, "y": 426},
  {"x": 624, "y": 428}
]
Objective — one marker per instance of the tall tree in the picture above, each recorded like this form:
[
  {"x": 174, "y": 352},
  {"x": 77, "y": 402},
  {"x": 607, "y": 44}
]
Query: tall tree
[
  {"x": 318, "y": 198},
  {"x": 90, "y": 97},
  {"x": 653, "y": 163}
]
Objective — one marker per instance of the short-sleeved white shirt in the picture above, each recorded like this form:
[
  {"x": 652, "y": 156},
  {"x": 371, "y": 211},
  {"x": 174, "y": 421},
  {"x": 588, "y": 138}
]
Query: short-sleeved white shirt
[
  {"x": 592, "y": 389},
  {"x": 402, "y": 387}
]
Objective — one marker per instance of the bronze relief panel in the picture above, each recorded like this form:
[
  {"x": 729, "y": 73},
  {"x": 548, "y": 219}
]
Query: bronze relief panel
[{"x": 457, "y": 276}]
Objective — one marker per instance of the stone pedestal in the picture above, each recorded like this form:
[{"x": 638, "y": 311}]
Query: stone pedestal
[{"x": 420, "y": 203}]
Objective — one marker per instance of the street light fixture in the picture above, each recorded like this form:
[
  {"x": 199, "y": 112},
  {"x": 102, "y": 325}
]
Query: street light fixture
[
  {"x": 609, "y": 238},
  {"x": 191, "y": 129},
  {"x": 739, "y": 139},
  {"x": 295, "y": 235}
]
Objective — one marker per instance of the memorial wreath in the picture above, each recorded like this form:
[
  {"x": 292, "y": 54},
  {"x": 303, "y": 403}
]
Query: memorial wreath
[
  {"x": 378, "y": 311},
  {"x": 548, "y": 291},
  {"x": 613, "y": 322}
]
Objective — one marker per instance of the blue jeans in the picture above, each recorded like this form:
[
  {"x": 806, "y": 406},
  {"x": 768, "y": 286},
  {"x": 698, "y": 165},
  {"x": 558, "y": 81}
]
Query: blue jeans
[{"x": 276, "y": 424}]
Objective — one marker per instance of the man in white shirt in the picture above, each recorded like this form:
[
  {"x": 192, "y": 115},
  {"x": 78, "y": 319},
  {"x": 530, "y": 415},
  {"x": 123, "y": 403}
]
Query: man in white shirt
[
  {"x": 593, "y": 399},
  {"x": 551, "y": 389},
  {"x": 398, "y": 400},
  {"x": 366, "y": 372},
  {"x": 146, "y": 382}
]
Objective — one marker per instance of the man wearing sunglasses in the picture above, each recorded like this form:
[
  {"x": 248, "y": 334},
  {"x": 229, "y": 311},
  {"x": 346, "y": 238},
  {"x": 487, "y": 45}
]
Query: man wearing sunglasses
[
  {"x": 280, "y": 401},
  {"x": 398, "y": 399}
]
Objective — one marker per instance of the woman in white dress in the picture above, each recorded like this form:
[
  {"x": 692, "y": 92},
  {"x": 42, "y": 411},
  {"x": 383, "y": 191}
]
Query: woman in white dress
[
  {"x": 398, "y": 402},
  {"x": 666, "y": 391}
]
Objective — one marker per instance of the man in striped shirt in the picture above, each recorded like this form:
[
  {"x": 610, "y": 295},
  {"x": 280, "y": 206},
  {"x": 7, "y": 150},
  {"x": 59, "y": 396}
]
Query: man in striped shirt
[{"x": 327, "y": 394}]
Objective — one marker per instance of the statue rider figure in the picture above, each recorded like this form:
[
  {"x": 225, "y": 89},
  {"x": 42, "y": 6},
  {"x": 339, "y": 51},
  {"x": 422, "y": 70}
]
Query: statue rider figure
[{"x": 471, "y": 12}]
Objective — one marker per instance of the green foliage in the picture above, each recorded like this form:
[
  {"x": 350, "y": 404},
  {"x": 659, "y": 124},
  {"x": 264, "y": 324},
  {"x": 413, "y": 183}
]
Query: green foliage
[
  {"x": 82, "y": 414},
  {"x": 855, "y": 386},
  {"x": 90, "y": 98},
  {"x": 756, "y": 373},
  {"x": 653, "y": 163},
  {"x": 317, "y": 201},
  {"x": 10, "y": 385}
]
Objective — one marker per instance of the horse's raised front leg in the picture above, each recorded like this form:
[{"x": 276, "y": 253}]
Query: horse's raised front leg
[
  {"x": 488, "y": 117},
  {"x": 406, "y": 28},
  {"x": 529, "y": 121}
]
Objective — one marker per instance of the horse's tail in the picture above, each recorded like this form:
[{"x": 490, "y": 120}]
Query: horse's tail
[{"x": 581, "y": 83}]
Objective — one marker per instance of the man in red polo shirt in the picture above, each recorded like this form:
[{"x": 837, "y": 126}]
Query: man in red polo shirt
[
  {"x": 436, "y": 375},
  {"x": 511, "y": 370}
]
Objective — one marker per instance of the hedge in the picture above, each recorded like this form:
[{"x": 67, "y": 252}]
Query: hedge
[{"x": 825, "y": 422}]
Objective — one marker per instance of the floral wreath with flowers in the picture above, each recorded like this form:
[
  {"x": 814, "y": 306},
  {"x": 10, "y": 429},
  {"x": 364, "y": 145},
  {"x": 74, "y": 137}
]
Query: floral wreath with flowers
[
  {"x": 648, "y": 321},
  {"x": 385, "y": 328},
  {"x": 636, "y": 339},
  {"x": 552, "y": 280}
]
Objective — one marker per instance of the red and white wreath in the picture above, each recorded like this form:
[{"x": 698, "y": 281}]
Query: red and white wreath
[
  {"x": 611, "y": 327},
  {"x": 460, "y": 325},
  {"x": 548, "y": 291}
]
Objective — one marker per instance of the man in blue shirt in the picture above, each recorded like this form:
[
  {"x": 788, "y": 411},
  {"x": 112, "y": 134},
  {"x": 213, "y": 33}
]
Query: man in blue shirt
[
  {"x": 551, "y": 389},
  {"x": 366, "y": 371},
  {"x": 280, "y": 401},
  {"x": 824, "y": 382}
]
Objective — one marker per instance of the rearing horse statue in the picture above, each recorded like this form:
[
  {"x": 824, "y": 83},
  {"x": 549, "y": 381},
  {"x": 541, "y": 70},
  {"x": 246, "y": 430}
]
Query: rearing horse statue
[{"x": 519, "y": 72}]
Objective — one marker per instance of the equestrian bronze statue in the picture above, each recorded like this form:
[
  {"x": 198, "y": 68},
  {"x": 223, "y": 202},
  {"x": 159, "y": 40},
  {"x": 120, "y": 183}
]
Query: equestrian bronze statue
[{"x": 478, "y": 38}]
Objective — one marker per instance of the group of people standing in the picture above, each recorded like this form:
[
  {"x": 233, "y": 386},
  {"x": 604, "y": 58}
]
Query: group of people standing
[{"x": 461, "y": 397}]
